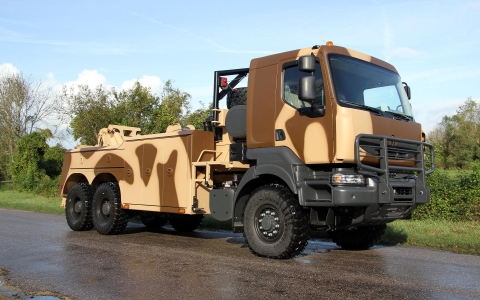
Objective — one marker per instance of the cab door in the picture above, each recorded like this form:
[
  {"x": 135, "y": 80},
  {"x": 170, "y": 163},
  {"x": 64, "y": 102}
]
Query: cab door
[{"x": 310, "y": 138}]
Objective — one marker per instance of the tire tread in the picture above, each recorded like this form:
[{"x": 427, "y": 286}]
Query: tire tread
[
  {"x": 117, "y": 223},
  {"x": 294, "y": 215},
  {"x": 86, "y": 195},
  {"x": 237, "y": 96}
]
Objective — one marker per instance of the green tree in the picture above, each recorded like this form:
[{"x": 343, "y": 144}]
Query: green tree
[
  {"x": 457, "y": 138},
  {"x": 36, "y": 166},
  {"x": 89, "y": 111},
  {"x": 25, "y": 105},
  {"x": 53, "y": 160},
  {"x": 137, "y": 107},
  {"x": 174, "y": 108},
  {"x": 198, "y": 117}
]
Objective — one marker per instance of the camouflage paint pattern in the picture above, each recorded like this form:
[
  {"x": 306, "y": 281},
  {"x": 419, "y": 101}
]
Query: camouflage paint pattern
[
  {"x": 163, "y": 172},
  {"x": 329, "y": 139},
  {"x": 153, "y": 171}
]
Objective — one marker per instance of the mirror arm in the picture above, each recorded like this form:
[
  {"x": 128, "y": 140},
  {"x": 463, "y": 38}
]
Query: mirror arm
[{"x": 315, "y": 111}]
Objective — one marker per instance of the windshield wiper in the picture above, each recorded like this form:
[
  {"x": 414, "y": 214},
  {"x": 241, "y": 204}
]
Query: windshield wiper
[
  {"x": 399, "y": 114},
  {"x": 372, "y": 109}
]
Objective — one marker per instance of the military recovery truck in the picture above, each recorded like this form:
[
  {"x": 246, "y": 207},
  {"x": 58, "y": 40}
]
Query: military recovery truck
[{"x": 321, "y": 137}]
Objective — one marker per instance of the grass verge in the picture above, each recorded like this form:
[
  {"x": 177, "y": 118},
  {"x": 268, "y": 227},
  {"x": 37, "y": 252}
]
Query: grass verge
[
  {"x": 26, "y": 201},
  {"x": 458, "y": 237}
]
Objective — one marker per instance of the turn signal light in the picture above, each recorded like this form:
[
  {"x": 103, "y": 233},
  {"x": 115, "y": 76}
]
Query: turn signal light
[{"x": 181, "y": 210}]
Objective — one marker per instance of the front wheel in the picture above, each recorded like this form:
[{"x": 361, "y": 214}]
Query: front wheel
[
  {"x": 360, "y": 238},
  {"x": 275, "y": 225},
  {"x": 108, "y": 216}
]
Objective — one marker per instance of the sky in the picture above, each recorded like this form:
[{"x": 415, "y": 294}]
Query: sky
[{"x": 434, "y": 45}]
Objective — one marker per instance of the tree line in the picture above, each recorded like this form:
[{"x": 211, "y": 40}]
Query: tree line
[
  {"x": 31, "y": 114},
  {"x": 92, "y": 109},
  {"x": 457, "y": 138}
]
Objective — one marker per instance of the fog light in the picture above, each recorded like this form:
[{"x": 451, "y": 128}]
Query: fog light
[{"x": 353, "y": 179}]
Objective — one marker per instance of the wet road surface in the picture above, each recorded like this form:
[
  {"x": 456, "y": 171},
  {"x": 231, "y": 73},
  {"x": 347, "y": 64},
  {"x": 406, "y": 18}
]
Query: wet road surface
[{"x": 40, "y": 253}]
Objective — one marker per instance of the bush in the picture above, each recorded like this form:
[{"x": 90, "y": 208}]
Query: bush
[
  {"x": 36, "y": 166},
  {"x": 48, "y": 187},
  {"x": 454, "y": 196}
]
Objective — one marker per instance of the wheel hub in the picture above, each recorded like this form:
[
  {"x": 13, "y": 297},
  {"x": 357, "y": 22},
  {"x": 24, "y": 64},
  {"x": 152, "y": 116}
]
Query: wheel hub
[
  {"x": 78, "y": 207},
  {"x": 268, "y": 223},
  {"x": 106, "y": 208}
]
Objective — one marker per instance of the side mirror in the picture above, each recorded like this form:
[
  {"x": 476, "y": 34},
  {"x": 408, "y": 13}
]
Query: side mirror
[
  {"x": 306, "y": 88},
  {"x": 407, "y": 90},
  {"x": 306, "y": 63}
]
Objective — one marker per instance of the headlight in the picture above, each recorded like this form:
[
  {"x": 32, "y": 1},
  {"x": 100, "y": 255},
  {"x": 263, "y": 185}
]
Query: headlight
[{"x": 350, "y": 179}]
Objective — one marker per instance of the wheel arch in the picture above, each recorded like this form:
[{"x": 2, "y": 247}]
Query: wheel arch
[
  {"x": 102, "y": 178},
  {"x": 73, "y": 179},
  {"x": 80, "y": 177},
  {"x": 250, "y": 182}
]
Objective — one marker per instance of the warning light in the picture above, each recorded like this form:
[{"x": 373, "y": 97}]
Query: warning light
[
  {"x": 224, "y": 82},
  {"x": 329, "y": 43}
]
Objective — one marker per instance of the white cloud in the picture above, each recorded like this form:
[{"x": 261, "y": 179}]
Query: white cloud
[
  {"x": 7, "y": 68},
  {"x": 153, "y": 82},
  {"x": 91, "y": 78}
]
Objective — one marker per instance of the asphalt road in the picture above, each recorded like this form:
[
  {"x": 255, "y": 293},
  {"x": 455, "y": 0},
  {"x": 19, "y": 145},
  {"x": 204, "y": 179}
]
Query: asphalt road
[{"x": 40, "y": 253}]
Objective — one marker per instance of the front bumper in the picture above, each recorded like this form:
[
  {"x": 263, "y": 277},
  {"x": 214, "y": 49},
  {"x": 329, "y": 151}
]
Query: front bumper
[{"x": 395, "y": 170}]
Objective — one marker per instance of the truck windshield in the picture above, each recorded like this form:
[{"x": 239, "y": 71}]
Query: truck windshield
[{"x": 363, "y": 85}]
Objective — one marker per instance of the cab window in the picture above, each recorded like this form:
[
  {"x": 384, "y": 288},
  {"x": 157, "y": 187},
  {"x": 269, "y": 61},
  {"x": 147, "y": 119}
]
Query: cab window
[{"x": 291, "y": 75}]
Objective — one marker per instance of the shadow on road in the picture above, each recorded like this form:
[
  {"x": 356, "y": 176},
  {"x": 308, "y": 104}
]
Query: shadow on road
[{"x": 394, "y": 237}]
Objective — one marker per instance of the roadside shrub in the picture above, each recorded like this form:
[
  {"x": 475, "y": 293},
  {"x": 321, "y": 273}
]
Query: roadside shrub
[
  {"x": 48, "y": 187},
  {"x": 5, "y": 185},
  {"x": 454, "y": 196},
  {"x": 36, "y": 166}
]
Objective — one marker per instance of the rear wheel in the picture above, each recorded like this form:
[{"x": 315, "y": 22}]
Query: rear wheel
[
  {"x": 108, "y": 216},
  {"x": 275, "y": 225},
  {"x": 360, "y": 238},
  {"x": 185, "y": 223},
  {"x": 78, "y": 207}
]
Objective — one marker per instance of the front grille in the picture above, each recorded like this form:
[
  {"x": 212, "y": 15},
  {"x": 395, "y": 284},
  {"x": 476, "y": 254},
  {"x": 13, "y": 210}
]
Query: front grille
[
  {"x": 381, "y": 153},
  {"x": 403, "y": 191}
]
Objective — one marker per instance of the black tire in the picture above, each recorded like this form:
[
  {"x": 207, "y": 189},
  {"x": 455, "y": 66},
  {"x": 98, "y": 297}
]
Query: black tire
[
  {"x": 360, "y": 238},
  {"x": 236, "y": 97},
  {"x": 185, "y": 223},
  {"x": 154, "y": 220},
  {"x": 78, "y": 207},
  {"x": 108, "y": 216},
  {"x": 275, "y": 225}
]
